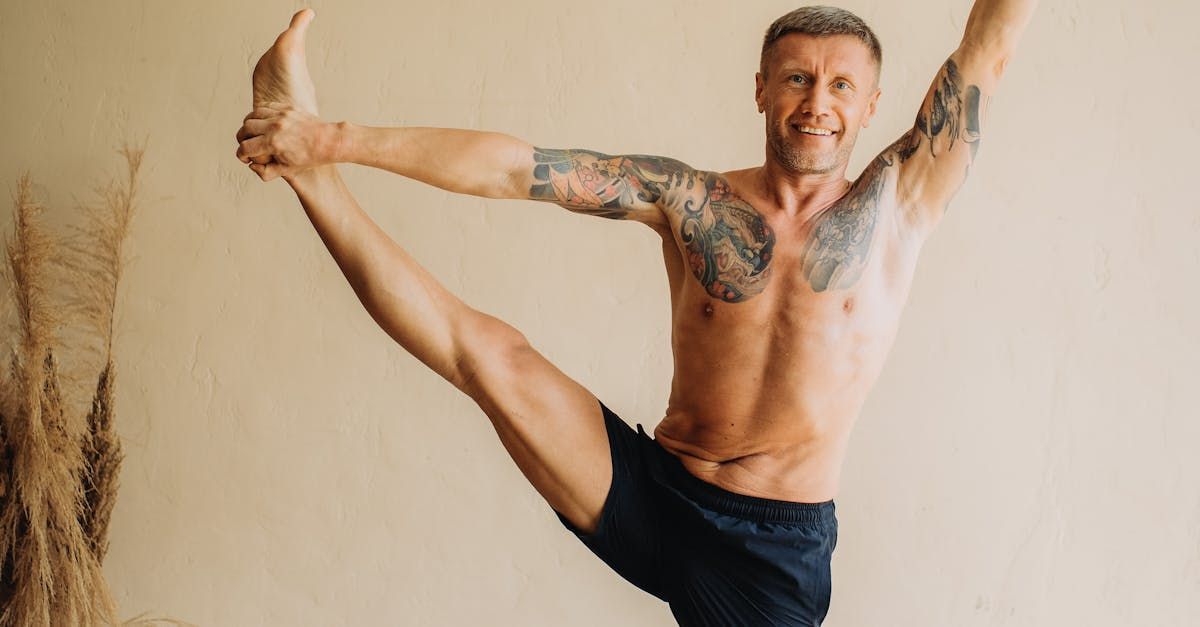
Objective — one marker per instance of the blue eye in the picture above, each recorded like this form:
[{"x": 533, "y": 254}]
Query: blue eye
[
  {"x": 842, "y": 85},
  {"x": 796, "y": 78}
]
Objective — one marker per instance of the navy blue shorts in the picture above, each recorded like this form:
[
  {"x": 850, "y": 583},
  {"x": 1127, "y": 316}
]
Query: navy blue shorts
[{"x": 716, "y": 557}]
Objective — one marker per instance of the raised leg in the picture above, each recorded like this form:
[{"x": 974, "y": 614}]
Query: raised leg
[{"x": 550, "y": 424}]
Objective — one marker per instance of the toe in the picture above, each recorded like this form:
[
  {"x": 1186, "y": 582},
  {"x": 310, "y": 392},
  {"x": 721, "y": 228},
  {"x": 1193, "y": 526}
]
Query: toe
[
  {"x": 301, "y": 20},
  {"x": 303, "y": 17},
  {"x": 293, "y": 37}
]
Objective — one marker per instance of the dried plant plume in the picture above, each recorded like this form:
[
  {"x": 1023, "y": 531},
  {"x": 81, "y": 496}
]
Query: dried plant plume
[{"x": 59, "y": 470}]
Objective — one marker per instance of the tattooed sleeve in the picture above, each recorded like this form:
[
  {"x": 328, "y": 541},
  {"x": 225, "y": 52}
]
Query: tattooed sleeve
[
  {"x": 589, "y": 182},
  {"x": 726, "y": 242},
  {"x": 936, "y": 154}
]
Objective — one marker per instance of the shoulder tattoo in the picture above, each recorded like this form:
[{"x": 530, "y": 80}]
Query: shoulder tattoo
[
  {"x": 728, "y": 243},
  {"x": 839, "y": 245}
]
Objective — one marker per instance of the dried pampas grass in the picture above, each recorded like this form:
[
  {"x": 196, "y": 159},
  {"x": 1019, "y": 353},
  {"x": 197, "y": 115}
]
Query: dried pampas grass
[{"x": 58, "y": 468}]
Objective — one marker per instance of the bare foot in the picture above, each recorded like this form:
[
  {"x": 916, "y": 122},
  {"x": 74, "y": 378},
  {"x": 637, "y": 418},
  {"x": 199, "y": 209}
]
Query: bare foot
[{"x": 281, "y": 75}]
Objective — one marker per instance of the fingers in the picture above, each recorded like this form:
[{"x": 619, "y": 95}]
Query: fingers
[
  {"x": 251, "y": 143},
  {"x": 268, "y": 171},
  {"x": 267, "y": 109},
  {"x": 257, "y": 149},
  {"x": 254, "y": 147},
  {"x": 251, "y": 128}
]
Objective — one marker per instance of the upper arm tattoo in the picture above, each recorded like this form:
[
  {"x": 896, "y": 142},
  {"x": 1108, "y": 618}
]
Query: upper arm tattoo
[
  {"x": 951, "y": 114},
  {"x": 727, "y": 243},
  {"x": 589, "y": 182}
]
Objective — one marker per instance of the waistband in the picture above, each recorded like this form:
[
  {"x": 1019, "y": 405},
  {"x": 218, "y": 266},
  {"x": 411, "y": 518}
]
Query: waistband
[{"x": 723, "y": 501}]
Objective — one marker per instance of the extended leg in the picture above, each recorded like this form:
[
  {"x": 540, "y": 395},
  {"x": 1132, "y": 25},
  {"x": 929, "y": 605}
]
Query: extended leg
[{"x": 550, "y": 424}]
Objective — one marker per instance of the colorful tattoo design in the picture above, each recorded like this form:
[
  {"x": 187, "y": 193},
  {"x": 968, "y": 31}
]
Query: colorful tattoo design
[
  {"x": 589, "y": 182},
  {"x": 728, "y": 243}
]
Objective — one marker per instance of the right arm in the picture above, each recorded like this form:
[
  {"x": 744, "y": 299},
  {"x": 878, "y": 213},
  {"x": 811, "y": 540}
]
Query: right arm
[
  {"x": 480, "y": 163},
  {"x": 727, "y": 243},
  {"x": 495, "y": 165}
]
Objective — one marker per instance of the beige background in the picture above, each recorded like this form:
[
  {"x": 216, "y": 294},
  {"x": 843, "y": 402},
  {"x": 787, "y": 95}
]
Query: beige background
[{"x": 1028, "y": 457}]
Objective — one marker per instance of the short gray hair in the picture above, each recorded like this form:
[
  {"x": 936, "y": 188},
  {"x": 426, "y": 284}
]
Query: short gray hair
[{"x": 821, "y": 21}]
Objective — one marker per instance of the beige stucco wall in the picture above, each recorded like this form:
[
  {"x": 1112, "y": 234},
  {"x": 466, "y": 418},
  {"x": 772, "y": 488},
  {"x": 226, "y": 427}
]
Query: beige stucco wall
[{"x": 1028, "y": 457}]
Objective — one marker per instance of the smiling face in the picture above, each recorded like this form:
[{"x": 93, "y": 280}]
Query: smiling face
[{"x": 817, "y": 93}]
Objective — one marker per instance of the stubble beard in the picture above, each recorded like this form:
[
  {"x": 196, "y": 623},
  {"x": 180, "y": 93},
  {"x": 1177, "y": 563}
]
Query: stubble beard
[{"x": 793, "y": 159}]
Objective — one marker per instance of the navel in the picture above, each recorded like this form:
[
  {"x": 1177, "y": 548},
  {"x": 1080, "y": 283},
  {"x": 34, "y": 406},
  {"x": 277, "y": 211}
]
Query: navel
[
  {"x": 848, "y": 306},
  {"x": 708, "y": 310}
]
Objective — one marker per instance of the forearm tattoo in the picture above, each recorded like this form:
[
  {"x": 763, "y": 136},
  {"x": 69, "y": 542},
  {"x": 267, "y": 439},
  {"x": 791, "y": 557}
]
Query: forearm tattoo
[
  {"x": 840, "y": 243},
  {"x": 728, "y": 243}
]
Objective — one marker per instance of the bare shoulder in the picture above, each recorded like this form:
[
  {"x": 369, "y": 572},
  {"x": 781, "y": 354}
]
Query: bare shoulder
[{"x": 842, "y": 239}]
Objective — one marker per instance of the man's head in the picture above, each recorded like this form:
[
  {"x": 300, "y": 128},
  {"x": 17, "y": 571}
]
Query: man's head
[{"x": 818, "y": 72}]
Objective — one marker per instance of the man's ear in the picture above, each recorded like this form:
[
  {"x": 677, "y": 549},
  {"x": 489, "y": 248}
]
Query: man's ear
[
  {"x": 758, "y": 90},
  {"x": 871, "y": 107}
]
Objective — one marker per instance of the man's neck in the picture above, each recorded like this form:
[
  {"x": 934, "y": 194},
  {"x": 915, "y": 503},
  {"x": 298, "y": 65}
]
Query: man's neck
[{"x": 798, "y": 194}]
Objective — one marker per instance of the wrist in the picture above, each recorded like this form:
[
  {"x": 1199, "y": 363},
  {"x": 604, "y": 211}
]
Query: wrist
[
  {"x": 312, "y": 179},
  {"x": 339, "y": 142}
]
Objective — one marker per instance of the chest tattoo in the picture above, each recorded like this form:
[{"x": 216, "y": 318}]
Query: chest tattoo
[
  {"x": 839, "y": 244},
  {"x": 728, "y": 243}
]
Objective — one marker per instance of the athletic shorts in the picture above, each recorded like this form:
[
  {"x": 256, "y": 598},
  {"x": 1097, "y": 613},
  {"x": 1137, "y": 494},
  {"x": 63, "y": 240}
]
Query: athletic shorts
[{"x": 716, "y": 557}]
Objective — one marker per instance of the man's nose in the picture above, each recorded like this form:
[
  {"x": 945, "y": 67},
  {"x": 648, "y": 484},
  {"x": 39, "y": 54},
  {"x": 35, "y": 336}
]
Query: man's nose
[{"x": 815, "y": 103}]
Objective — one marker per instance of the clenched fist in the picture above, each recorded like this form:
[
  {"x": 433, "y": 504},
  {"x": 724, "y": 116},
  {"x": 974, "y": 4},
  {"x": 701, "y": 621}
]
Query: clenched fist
[{"x": 277, "y": 139}]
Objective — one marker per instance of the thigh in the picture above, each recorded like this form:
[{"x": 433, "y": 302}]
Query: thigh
[
  {"x": 551, "y": 425},
  {"x": 754, "y": 574},
  {"x": 629, "y": 534}
]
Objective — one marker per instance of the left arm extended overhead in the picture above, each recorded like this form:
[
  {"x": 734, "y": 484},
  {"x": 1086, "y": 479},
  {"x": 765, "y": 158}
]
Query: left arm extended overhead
[{"x": 936, "y": 154}]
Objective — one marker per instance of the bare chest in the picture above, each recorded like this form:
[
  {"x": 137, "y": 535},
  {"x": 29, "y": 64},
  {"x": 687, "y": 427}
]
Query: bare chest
[
  {"x": 781, "y": 327},
  {"x": 850, "y": 261}
]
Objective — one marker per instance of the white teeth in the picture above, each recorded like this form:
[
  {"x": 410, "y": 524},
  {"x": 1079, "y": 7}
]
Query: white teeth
[{"x": 815, "y": 131}]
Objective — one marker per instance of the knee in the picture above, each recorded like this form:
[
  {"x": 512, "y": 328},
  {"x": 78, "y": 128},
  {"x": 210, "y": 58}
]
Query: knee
[{"x": 489, "y": 351}]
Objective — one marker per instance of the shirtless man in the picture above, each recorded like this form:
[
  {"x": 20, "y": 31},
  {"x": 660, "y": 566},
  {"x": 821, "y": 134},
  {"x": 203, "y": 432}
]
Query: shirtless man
[{"x": 787, "y": 282}]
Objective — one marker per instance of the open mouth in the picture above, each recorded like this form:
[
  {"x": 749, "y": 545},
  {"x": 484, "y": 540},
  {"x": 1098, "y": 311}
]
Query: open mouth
[{"x": 814, "y": 131}]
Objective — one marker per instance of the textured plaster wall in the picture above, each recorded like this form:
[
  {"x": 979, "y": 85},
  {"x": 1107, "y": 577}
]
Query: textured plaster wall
[{"x": 1028, "y": 457}]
